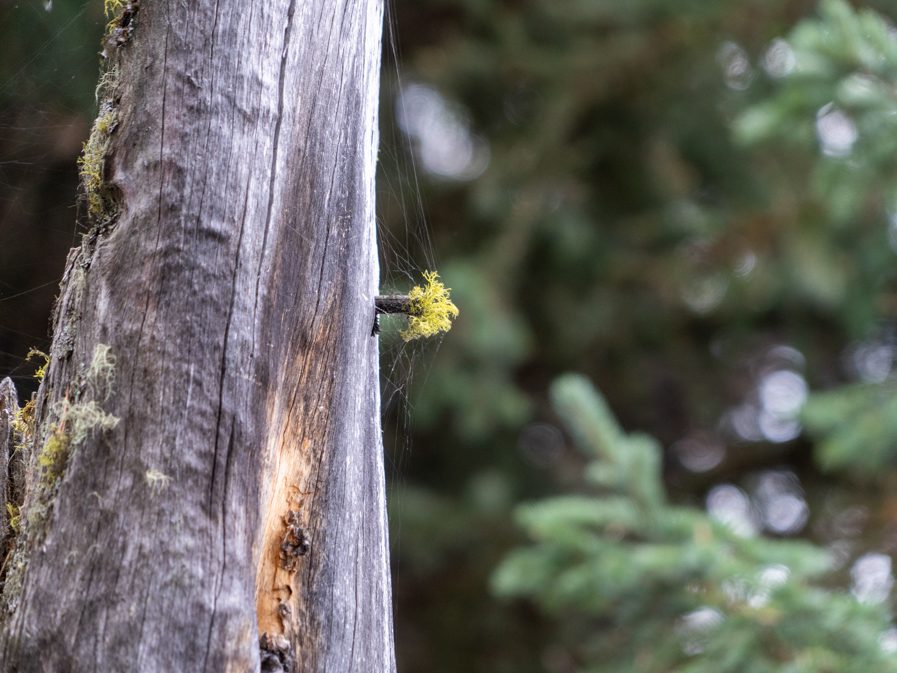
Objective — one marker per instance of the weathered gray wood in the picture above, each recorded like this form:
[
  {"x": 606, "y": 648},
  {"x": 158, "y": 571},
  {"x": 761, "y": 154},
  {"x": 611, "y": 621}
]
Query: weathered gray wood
[
  {"x": 231, "y": 271},
  {"x": 9, "y": 405}
]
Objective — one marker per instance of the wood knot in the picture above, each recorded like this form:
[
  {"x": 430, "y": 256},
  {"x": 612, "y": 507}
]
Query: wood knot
[
  {"x": 293, "y": 544},
  {"x": 276, "y": 654}
]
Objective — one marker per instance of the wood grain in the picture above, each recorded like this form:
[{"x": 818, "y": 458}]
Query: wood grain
[{"x": 235, "y": 289}]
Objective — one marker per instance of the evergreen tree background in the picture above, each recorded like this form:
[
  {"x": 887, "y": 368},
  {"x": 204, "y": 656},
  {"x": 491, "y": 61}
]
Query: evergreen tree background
[{"x": 693, "y": 205}]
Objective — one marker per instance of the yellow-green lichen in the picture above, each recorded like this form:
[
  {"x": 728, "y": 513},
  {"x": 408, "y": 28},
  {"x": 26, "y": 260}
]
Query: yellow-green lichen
[
  {"x": 76, "y": 422},
  {"x": 77, "y": 419},
  {"x": 41, "y": 371},
  {"x": 101, "y": 373},
  {"x": 156, "y": 480},
  {"x": 23, "y": 420},
  {"x": 101, "y": 201},
  {"x": 15, "y": 516},
  {"x": 53, "y": 455},
  {"x": 120, "y": 24},
  {"x": 113, "y": 7},
  {"x": 92, "y": 163},
  {"x": 84, "y": 418},
  {"x": 106, "y": 85},
  {"x": 431, "y": 309}
]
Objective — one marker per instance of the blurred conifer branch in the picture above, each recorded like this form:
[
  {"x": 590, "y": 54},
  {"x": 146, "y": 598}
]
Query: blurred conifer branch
[
  {"x": 619, "y": 567},
  {"x": 839, "y": 97},
  {"x": 856, "y": 427}
]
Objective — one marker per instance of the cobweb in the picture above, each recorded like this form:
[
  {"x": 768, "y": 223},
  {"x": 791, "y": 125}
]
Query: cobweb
[
  {"x": 46, "y": 103},
  {"x": 406, "y": 250},
  {"x": 47, "y": 75}
]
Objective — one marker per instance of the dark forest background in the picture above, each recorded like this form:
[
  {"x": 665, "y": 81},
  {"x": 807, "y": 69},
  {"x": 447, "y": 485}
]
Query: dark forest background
[{"x": 691, "y": 205}]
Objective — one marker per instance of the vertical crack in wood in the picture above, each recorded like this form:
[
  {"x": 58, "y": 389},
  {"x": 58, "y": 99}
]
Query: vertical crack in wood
[
  {"x": 298, "y": 432},
  {"x": 281, "y": 77}
]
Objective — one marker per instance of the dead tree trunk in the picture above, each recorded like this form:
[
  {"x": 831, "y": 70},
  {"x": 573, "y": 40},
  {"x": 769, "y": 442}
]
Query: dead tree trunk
[{"x": 204, "y": 463}]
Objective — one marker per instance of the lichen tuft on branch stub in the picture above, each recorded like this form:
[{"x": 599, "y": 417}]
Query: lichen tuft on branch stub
[{"x": 429, "y": 308}]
